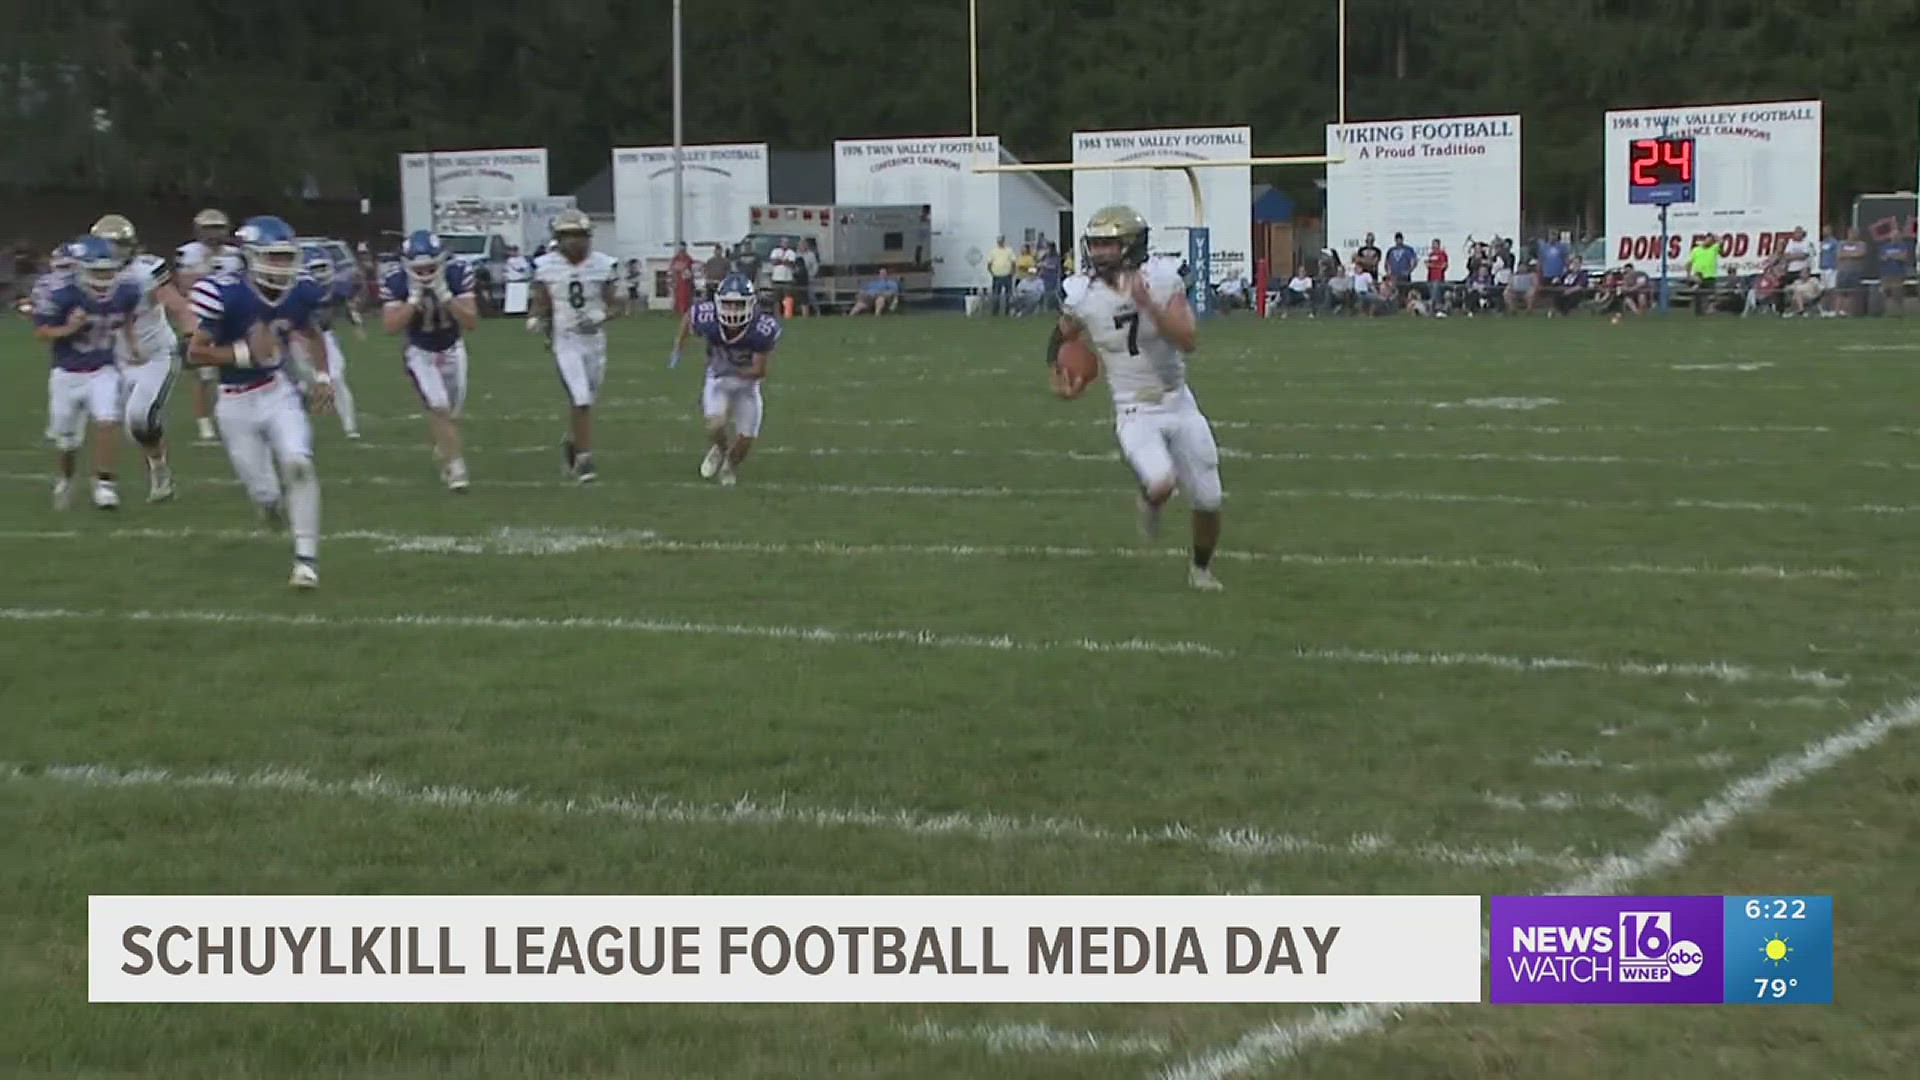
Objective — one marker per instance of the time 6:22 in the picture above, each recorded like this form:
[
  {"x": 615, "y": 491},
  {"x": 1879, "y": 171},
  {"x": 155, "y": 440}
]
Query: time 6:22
[{"x": 1779, "y": 907}]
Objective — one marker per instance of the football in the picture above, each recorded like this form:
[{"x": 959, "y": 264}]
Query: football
[{"x": 1079, "y": 360}]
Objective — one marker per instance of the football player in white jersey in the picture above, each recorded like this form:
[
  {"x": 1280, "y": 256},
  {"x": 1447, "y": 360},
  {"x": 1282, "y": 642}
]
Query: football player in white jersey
[
  {"x": 152, "y": 354},
  {"x": 1132, "y": 310},
  {"x": 573, "y": 295},
  {"x": 211, "y": 251}
]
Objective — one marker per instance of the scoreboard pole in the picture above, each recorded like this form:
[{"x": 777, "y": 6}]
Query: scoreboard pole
[{"x": 1666, "y": 287}]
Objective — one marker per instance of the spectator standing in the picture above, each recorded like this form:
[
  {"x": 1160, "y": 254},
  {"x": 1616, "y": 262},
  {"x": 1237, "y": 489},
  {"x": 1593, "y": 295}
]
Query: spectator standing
[
  {"x": 1000, "y": 272},
  {"x": 1829, "y": 269},
  {"x": 633, "y": 285},
  {"x": 780, "y": 263},
  {"x": 810, "y": 264},
  {"x": 1436, "y": 272},
  {"x": 1896, "y": 262},
  {"x": 1798, "y": 256},
  {"x": 1553, "y": 256},
  {"x": 1850, "y": 266},
  {"x": 1025, "y": 263},
  {"x": 1401, "y": 260},
  {"x": 1367, "y": 257},
  {"x": 1703, "y": 271},
  {"x": 715, "y": 269},
  {"x": 679, "y": 279},
  {"x": 1050, "y": 275}
]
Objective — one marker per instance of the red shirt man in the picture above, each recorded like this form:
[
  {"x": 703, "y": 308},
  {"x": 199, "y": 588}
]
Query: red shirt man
[
  {"x": 680, "y": 273},
  {"x": 1436, "y": 262}
]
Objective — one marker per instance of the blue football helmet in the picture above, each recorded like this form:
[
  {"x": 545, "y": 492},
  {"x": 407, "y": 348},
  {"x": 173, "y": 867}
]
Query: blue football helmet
[
  {"x": 273, "y": 254},
  {"x": 734, "y": 302},
  {"x": 318, "y": 264},
  {"x": 425, "y": 256},
  {"x": 96, "y": 264}
]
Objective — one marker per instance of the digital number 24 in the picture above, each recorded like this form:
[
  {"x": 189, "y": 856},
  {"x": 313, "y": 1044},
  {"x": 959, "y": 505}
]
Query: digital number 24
[{"x": 1131, "y": 323}]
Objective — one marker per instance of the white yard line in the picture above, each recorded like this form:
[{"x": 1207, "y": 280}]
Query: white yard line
[
  {"x": 1243, "y": 843},
  {"x": 810, "y": 635},
  {"x": 1724, "y": 671},
  {"x": 1476, "y": 457},
  {"x": 955, "y": 491},
  {"x": 1032, "y": 1038},
  {"x": 512, "y": 541},
  {"x": 1279, "y": 1042},
  {"x": 1566, "y": 802}
]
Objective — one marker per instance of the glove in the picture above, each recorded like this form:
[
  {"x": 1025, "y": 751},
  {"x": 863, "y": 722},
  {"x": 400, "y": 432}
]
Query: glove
[{"x": 534, "y": 325}]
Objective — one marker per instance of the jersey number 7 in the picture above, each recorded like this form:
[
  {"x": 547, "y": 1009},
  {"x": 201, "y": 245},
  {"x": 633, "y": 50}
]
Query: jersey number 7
[{"x": 1131, "y": 321}]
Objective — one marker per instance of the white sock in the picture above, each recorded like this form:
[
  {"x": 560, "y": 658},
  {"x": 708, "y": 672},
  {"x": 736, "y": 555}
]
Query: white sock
[
  {"x": 303, "y": 507},
  {"x": 343, "y": 404}
]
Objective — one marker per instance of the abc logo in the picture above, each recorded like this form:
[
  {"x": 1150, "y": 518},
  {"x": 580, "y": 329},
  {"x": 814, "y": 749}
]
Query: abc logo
[{"x": 1685, "y": 958}]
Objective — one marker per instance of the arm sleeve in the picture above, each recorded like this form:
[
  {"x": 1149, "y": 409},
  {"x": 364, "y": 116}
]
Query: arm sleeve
[{"x": 208, "y": 304}]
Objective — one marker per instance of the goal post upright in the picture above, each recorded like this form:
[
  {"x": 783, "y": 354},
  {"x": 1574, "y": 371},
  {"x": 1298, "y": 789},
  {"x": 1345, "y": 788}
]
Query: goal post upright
[{"x": 1199, "y": 248}]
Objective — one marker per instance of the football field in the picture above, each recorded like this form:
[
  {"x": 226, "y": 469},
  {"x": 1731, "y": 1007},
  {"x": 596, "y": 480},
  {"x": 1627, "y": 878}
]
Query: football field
[{"x": 1511, "y": 606}]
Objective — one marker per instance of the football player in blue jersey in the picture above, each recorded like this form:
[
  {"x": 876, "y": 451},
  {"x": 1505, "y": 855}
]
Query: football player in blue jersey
[
  {"x": 247, "y": 323},
  {"x": 84, "y": 314},
  {"x": 432, "y": 301},
  {"x": 336, "y": 296},
  {"x": 740, "y": 340}
]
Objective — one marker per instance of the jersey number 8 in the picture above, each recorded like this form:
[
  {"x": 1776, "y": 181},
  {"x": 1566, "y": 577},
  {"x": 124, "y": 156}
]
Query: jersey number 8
[{"x": 576, "y": 295}]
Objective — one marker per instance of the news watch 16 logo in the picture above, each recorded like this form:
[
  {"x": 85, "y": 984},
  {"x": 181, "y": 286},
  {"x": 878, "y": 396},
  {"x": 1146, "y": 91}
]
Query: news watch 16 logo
[{"x": 1600, "y": 950}]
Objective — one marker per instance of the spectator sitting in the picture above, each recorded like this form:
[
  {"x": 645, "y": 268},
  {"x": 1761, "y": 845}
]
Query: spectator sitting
[
  {"x": 1029, "y": 293},
  {"x": 1768, "y": 292},
  {"x": 1482, "y": 295},
  {"x": 1525, "y": 288},
  {"x": 1804, "y": 296},
  {"x": 1366, "y": 294},
  {"x": 1637, "y": 289},
  {"x": 1570, "y": 288},
  {"x": 1340, "y": 291},
  {"x": 878, "y": 295},
  {"x": 1298, "y": 293},
  {"x": 1232, "y": 293}
]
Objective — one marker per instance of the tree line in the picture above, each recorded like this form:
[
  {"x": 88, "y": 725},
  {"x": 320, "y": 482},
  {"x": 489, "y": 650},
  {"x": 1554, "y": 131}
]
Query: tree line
[{"x": 210, "y": 96}]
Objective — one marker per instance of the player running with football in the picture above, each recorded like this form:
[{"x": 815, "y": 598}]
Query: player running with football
[
  {"x": 84, "y": 317},
  {"x": 572, "y": 299},
  {"x": 247, "y": 323},
  {"x": 432, "y": 301},
  {"x": 1132, "y": 310},
  {"x": 153, "y": 358},
  {"x": 739, "y": 340}
]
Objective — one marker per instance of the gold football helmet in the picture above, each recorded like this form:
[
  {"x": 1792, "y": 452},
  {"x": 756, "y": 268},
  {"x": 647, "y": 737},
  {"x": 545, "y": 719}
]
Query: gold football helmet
[
  {"x": 212, "y": 226},
  {"x": 117, "y": 230},
  {"x": 1115, "y": 239},
  {"x": 572, "y": 223}
]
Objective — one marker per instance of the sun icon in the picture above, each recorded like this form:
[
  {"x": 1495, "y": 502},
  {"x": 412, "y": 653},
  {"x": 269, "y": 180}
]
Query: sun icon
[{"x": 1776, "y": 949}]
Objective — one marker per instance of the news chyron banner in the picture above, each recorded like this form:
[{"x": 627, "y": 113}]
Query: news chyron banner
[
  {"x": 1451, "y": 179},
  {"x": 784, "y": 948},
  {"x": 1757, "y": 178},
  {"x": 1661, "y": 950}
]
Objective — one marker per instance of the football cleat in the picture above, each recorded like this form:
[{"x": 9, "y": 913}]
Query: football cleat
[
  {"x": 711, "y": 463},
  {"x": 457, "y": 476},
  {"x": 727, "y": 476},
  {"x": 159, "y": 483},
  {"x": 206, "y": 435},
  {"x": 583, "y": 470},
  {"x": 62, "y": 493},
  {"x": 105, "y": 495},
  {"x": 304, "y": 576},
  {"x": 1201, "y": 578}
]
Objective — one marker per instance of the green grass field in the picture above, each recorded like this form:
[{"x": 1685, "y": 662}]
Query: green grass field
[{"x": 1504, "y": 600}]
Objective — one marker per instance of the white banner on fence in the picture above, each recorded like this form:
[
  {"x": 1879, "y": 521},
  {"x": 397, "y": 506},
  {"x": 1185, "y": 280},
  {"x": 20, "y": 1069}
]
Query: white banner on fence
[
  {"x": 449, "y": 174},
  {"x": 1757, "y": 177},
  {"x": 1164, "y": 196},
  {"x": 849, "y": 948},
  {"x": 939, "y": 173},
  {"x": 719, "y": 185},
  {"x": 1447, "y": 178}
]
